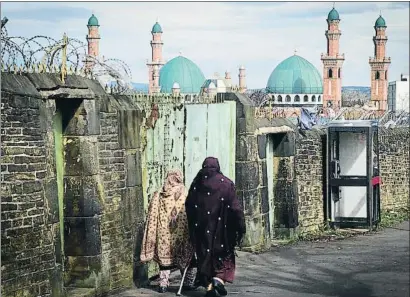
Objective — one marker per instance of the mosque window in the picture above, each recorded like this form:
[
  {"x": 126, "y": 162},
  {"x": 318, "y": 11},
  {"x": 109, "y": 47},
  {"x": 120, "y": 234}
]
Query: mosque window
[
  {"x": 288, "y": 99},
  {"x": 319, "y": 98},
  {"x": 306, "y": 98},
  {"x": 385, "y": 75},
  {"x": 377, "y": 75},
  {"x": 313, "y": 98},
  {"x": 279, "y": 98},
  {"x": 297, "y": 98},
  {"x": 273, "y": 98},
  {"x": 330, "y": 73},
  {"x": 338, "y": 73}
]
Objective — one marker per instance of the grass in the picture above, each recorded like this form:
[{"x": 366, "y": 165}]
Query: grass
[{"x": 392, "y": 218}]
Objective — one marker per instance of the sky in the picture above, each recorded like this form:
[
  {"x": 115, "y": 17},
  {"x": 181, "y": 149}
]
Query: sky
[{"x": 221, "y": 36}]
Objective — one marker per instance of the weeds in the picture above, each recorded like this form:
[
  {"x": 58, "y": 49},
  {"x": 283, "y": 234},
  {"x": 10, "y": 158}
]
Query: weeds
[
  {"x": 324, "y": 233},
  {"x": 392, "y": 218}
]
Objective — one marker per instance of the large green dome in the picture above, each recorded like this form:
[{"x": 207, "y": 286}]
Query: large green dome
[
  {"x": 93, "y": 21},
  {"x": 380, "y": 22},
  {"x": 295, "y": 75},
  {"x": 184, "y": 72},
  {"x": 333, "y": 15}
]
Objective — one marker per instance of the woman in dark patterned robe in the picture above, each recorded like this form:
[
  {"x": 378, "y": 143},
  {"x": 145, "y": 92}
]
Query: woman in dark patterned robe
[{"x": 216, "y": 226}]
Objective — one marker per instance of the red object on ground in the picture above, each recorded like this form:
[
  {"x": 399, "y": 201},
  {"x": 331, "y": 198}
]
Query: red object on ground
[{"x": 376, "y": 180}]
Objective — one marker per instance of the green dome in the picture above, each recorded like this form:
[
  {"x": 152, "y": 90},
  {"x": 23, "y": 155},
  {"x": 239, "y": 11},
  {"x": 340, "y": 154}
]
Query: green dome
[
  {"x": 184, "y": 72},
  {"x": 156, "y": 28},
  {"x": 380, "y": 22},
  {"x": 295, "y": 75},
  {"x": 92, "y": 21},
  {"x": 333, "y": 15}
]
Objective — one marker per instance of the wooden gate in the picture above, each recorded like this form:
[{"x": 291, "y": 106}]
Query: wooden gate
[{"x": 210, "y": 132}]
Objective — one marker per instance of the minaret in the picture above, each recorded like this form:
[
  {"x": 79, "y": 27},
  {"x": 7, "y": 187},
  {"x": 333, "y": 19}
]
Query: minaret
[
  {"x": 242, "y": 80},
  {"x": 155, "y": 75},
  {"x": 93, "y": 40},
  {"x": 156, "y": 59},
  {"x": 228, "y": 81},
  {"x": 379, "y": 65},
  {"x": 332, "y": 63}
]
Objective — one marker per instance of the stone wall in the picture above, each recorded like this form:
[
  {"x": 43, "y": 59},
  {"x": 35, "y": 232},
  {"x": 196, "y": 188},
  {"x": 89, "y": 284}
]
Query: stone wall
[
  {"x": 27, "y": 219},
  {"x": 71, "y": 189},
  {"x": 310, "y": 171},
  {"x": 394, "y": 147},
  {"x": 282, "y": 183},
  {"x": 250, "y": 163}
]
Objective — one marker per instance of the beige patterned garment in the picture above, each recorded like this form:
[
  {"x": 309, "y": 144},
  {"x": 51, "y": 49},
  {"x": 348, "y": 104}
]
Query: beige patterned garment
[{"x": 166, "y": 236}]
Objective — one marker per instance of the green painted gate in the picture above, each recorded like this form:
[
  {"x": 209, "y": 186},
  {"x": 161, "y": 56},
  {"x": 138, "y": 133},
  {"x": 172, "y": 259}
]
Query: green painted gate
[{"x": 210, "y": 132}]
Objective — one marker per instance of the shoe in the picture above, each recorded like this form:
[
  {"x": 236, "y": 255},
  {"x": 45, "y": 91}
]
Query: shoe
[
  {"x": 162, "y": 289},
  {"x": 220, "y": 288},
  {"x": 211, "y": 293}
]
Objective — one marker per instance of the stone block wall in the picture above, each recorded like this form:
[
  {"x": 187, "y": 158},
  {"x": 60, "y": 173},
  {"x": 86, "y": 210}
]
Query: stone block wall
[
  {"x": 394, "y": 164},
  {"x": 71, "y": 187},
  {"x": 310, "y": 170},
  {"x": 120, "y": 171},
  {"x": 27, "y": 226},
  {"x": 251, "y": 187}
]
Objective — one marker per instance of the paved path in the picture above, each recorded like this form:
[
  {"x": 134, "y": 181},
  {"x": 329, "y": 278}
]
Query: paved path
[{"x": 373, "y": 265}]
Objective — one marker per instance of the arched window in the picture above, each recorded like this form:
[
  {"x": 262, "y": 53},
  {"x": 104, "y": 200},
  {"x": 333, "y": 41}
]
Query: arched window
[
  {"x": 305, "y": 98},
  {"x": 319, "y": 98},
  {"x": 288, "y": 99},
  {"x": 313, "y": 98},
  {"x": 338, "y": 73},
  {"x": 330, "y": 73},
  {"x": 385, "y": 75},
  {"x": 279, "y": 98},
  {"x": 273, "y": 98},
  {"x": 297, "y": 98},
  {"x": 377, "y": 75}
]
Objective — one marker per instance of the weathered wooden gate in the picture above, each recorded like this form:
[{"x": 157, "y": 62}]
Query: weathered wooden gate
[
  {"x": 164, "y": 140},
  {"x": 210, "y": 131},
  {"x": 177, "y": 136}
]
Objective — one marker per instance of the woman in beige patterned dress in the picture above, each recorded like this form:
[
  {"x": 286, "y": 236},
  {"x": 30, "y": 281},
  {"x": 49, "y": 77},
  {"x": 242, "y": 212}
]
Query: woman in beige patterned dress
[{"x": 166, "y": 235}]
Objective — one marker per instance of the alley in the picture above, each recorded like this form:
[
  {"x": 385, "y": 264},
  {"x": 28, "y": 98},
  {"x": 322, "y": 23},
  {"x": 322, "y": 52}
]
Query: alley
[{"x": 373, "y": 265}]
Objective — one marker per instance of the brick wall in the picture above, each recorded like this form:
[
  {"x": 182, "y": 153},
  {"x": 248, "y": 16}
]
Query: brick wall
[
  {"x": 394, "y": 147},
  {"x": 27, "y": 248}
]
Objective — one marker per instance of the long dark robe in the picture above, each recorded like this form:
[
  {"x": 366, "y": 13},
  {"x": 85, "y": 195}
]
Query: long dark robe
[{"x": 216, "y": 222}]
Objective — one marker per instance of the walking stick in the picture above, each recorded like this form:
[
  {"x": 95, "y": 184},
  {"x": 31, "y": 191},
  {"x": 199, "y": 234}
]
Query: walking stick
[{"x": 182, "y": 282}]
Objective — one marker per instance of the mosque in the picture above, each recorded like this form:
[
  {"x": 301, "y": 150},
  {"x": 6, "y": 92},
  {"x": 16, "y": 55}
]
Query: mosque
[{"x": 293, "y": 82}]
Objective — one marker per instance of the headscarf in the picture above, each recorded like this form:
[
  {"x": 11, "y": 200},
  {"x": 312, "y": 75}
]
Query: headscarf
[
  {"x": 173, "y": 184},
  {"x": 210, "y": 167}
]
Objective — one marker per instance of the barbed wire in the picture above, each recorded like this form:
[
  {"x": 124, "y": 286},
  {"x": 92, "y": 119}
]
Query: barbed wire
[{"x": 40, "y": 54}]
